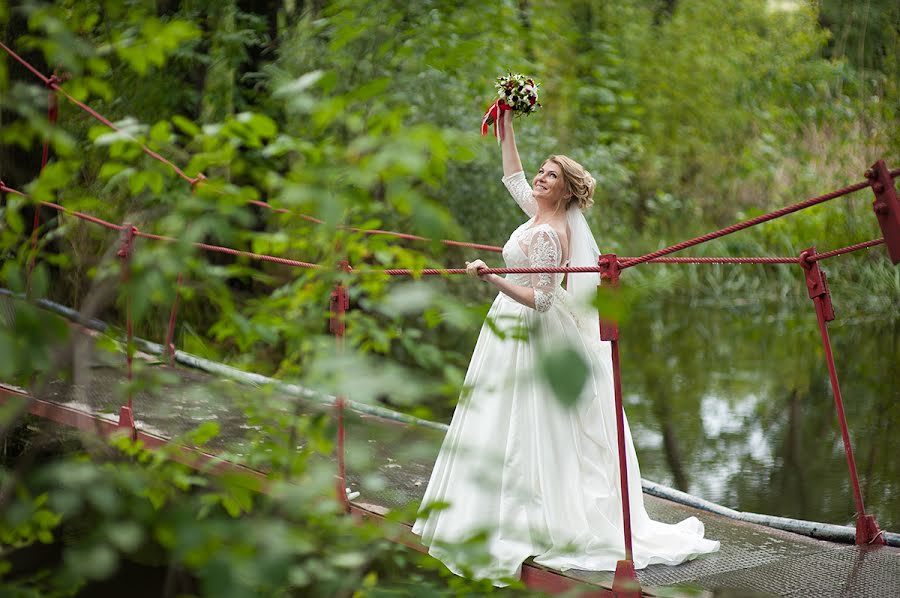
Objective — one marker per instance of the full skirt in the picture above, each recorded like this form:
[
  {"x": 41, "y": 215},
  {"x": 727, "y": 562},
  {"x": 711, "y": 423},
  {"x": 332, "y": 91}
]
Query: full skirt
[{"x": 531, "y": 476}]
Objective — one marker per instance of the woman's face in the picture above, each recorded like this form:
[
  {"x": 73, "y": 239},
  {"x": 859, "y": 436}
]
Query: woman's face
[{"x": 548, "y": 184}]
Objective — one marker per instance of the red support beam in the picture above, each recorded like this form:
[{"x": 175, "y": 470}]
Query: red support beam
[
  {"x": 340, "y": 303},
  {"x": 886, "y": 207},
  {"x": 867, "y": 531},
  {"x": 548, "y": 582},
  {"x": 169, "y": 345},
  {"x": 52, "y": 116},
  {"x": 609, "y": 276},
  {"x": 126, "y": 413},
  {"x": 625, "y": 582},
  {"x": 89, "y": 422}
]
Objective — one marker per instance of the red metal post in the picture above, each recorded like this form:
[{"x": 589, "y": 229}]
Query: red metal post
[
  {"x": 52, "y": 116},
  {"x": 867, "y": 531},
  {"x": 340, "y": 303},
  {"x": 126, "y": 413},
  {"x": 625, "y": 582},
  {"x": 169, "y": 347},
  {"x": 886, "y": 207}
]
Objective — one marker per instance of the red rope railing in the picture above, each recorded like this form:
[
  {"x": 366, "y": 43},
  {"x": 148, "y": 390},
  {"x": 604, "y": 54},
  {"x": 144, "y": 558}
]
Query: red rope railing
[
  {"x": 843, "y": 250},
  {"x": 205, "y": 246},
  {"x": 370, "y": 231},
  {"x": 236, "y": 252},
  {"x": 268, "y": 206},
  {"x": 80, "y": 215},
  {"x": 53, "y": 84},
  {"x": 746, "y": 224},
  {"x": 26, "y": 64},
  {"x": 444, "y": 271}
]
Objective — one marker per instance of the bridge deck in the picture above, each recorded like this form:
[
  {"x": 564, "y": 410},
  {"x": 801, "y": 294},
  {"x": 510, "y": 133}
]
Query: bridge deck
[{"x": 753, "y": 561}]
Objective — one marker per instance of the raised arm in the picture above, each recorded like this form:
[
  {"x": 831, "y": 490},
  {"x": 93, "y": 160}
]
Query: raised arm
[
  {"x": 511, "y": 161},
  {"x": 513, "y": 177}
]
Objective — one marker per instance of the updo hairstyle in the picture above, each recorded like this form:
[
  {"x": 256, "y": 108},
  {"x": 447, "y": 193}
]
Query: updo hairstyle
[{"x": 579, "y": 182}]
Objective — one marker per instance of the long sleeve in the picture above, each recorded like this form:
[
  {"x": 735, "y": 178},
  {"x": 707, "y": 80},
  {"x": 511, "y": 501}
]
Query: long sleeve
[
  {"x": 520, "y": 190},
  {"x": 544, "y": 251}
]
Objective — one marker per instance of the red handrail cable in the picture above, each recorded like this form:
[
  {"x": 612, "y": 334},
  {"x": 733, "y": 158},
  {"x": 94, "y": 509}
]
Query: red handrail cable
[
  {"x": 26, "y": 64},
  {"x": 843, "y": 250},
  {"x": 746, "y": 224},
  {"x": 53, "y": 83},
  {"x": 80, "y": 215},
  {"x": 448, "y": 271},
  {"x": 138, "y": 233},
  {"x": 367, "y": 231}
]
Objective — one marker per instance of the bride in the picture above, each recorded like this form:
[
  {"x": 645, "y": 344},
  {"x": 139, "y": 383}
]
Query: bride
[{"x": 527, "y": 473}]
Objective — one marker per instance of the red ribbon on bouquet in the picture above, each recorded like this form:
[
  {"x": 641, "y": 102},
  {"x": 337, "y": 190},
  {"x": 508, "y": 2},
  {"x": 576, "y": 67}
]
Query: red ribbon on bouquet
[{"x": 492, "y": 116}]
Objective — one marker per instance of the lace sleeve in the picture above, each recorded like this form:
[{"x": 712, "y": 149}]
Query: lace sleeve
[
  {"x": 520, "y": 190},
  {"x": 544, "y": 251}
]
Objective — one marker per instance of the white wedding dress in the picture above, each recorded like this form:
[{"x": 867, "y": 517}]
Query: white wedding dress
[{"x": 530, "y": 475}]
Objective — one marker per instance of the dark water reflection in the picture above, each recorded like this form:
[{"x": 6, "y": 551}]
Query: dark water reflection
[{"x": 734, "y": 404}]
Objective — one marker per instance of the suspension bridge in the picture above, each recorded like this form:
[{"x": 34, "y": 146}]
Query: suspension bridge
[{"x": 763, "y": 554}]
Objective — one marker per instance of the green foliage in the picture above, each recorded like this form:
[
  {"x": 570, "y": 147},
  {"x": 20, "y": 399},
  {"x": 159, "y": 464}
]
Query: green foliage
[
  {"x": 28, "y": 335},
  {"x": 127, "y": 503},
  {"x": 29, "y": 520},
  {"x": 565, "y": 371}
]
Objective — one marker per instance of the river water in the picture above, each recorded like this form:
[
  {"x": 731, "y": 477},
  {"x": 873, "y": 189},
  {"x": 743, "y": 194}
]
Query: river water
[{"x": 733, "y": 403}]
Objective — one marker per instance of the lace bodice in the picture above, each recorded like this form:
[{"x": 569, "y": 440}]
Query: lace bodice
[{"x": 532, "y": 246}]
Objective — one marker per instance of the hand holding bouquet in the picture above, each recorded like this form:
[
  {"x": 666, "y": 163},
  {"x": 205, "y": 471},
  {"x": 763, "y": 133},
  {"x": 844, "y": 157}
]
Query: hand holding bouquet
[{"x": 517, "y": 93}]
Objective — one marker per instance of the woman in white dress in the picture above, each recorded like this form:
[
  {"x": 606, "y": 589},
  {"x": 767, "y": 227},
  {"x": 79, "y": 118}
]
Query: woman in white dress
[{"x": 519, "y": 469}]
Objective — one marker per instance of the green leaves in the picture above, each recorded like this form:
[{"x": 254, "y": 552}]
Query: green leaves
[
  {"x": 28, "y": 520},
  {"x": 150, "y": 44},
  {"x": 28, "y": 336},
  {"x": 55, "y": 177},
  {"x": 126, "y": 536},
  {"x": 97, "y": 561},
  {"x": 565, "y": 371}
]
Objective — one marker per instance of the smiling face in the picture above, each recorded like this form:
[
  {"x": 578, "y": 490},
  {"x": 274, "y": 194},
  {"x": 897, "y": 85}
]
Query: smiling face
[{"x": 548, "y": 184}]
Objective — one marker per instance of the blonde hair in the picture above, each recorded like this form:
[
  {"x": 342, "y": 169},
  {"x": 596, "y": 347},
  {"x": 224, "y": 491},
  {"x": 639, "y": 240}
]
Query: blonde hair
[{"x": 579, "y": 182}]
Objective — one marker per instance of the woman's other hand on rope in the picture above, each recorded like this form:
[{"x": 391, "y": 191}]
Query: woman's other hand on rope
[{"x": 472, "y": 269}]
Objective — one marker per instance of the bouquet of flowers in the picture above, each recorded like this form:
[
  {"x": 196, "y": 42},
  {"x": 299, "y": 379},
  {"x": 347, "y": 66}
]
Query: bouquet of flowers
[{"x": 517, "y": 93}]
